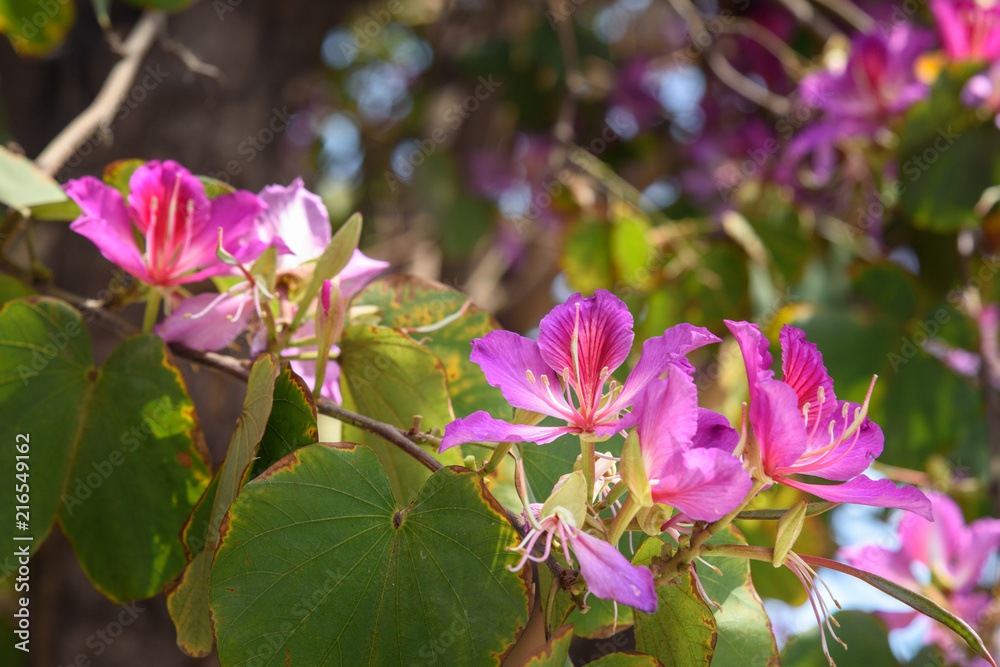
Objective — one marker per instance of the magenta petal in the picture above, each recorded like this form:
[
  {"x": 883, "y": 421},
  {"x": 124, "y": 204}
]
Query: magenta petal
[
  {"x": 704, "y": 484},
  {"x": 714, "y": 431},
  {"x": 106, "y": 223},
  {"x": 243, "y": 234},
  {"x": 848, "y": 459},
  {"x": 951, "y": 27},
  {"x": 480, "y": 426},
  {"x": 331, "y": 382},
  {"x": 668, "y": 420},
  {"x": 777, "y": 425},
  {"x": 360, "y": 270},
  {"x": 506, "y": 358},
  {"x": 670, "y": 349},
  {"x": 299, "y": 219},
  {"x": 212, "y": 331},
  {"x": 865, "y": 491},
  {"x": 802, "y": 369},
  {"x": 603, "y": 329},
  {"x": 161, "y": 191},
  {"x": 610, "y": 576},
  {"x": 754, "y": 346}
]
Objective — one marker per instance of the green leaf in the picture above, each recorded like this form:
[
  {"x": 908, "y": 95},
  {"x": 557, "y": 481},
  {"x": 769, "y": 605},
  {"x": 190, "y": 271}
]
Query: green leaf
[
  {"x": 11, "y": 288},
  {"x": 543, "y": 465},
  {"x": 745, "y": 636},
  {"x": 599, "y": 621},
  {"x": 318, "y": 566},
  {"x": 682, "y": 632},
  {"x": 812, "y": 509},
  {"x": 555, "y": 602},
  {"x": 446, "y": 322},
  {"x": 924, "y": 605},
  {"x": 333, "y": 260},
  {"x": 292, "y": 423},
  {"x": 555, "y": 652},
  {"x": 63, "y": 211},
  {"x": 387, "y": 376},
  {"x": 116, "y": 452},
  {"x": 587, "y": 258},
  {"x": 165, "y": 5},
  {"x": 22, "y": 184},
  {"x": 215, "y": 187},
  {"x": 187, "y": 600},
  {"x": 629, "y": 659},
  {"x": 117, "y": 174},
  {"x": 864, "y": 635},
  {"x": 35, "y": 27}
]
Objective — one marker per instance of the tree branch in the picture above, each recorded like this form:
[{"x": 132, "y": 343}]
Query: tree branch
[{"x": 110, "y": 97}]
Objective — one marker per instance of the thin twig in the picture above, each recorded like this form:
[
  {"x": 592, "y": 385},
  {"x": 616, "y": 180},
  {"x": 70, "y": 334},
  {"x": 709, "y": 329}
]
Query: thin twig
[
  {"x": 850, "y": 12},
  {"x": 793, "y": 62},
  {"x": 807, "y": 14},
  {"x": 190, "y": 60},
  {"x": 110, "y": 97}
]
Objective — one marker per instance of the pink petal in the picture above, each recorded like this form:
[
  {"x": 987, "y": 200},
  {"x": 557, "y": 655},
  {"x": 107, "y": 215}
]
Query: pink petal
[
  {"x": 714, "y": 431},
  {"x": 331, "y": 382},
  {"x": 893, "y": 565},
  {"x": 106, "y": 223},
  {"x": 242, "y": 236},
  {"x": 983, "y": 541},
  {"x": 299, "y": 219},
  {"x": 610, "y": 576},
  {"x": 506, "y": 358},
  {"x": 658, "y": 353},
  {"x": 777, "y": 425},
  {"x": 359, "y": 271},
  {"x": 603, "y": 329},
  {"x": 160, "y": 181},
  {"x": 952, "y": 28},
  {"x": 668, "y": 420},
  {"x": 865, "y": 491},
  {"x": 212, "y": 331},
  {"x": 480, "y": 426},
  {"x": 849, "y": 458},
  {"x": 754, "y": 346},
  {"x": 802, "y": 369},
  {"x": 704, "y": 484}
]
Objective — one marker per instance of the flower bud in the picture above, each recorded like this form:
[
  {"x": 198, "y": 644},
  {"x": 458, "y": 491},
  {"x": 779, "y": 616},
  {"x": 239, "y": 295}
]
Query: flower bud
[
  {"x": 789, "y": 527},
  {"x": 571, "y": 495},
  {"x": 633, "y": 471}
]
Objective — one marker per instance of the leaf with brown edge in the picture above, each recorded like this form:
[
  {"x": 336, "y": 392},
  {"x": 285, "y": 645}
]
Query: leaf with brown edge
[
  {"x": 554, "y": 652},
  {"x": 187, "y": 600},
  {"x": 363, "y": 581}
]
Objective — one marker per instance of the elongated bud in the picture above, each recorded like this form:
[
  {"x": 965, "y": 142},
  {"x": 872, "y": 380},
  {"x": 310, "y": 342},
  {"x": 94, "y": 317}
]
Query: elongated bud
[
  {"x": 633, "y": 471},
  {"x": 329, "y": 326},
  {"x": 651, "y": 519},
  {"x": 789, "y": 527},
  {"x": 571, "y": 495},
  {"x": 224, "y": 256},
  {"x": 527, "y": 417}
]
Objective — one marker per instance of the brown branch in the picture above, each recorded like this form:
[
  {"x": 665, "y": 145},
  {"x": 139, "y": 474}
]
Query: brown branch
[{"x": 110, "y": 97}]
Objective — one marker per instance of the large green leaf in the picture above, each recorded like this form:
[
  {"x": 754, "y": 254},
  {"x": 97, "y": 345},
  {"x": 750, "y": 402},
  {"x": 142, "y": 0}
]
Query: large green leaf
[
  {"x": 115, "y": 452},
  {"x": 12, "y": 288},
  {"x": 317, "y": 566},
  {"x": 387, "y": 376},
  {"x": 745, "y": 636},
  {"x": 36, "y": 27},
  {"x": 187, "y": 600},
  {"x": 553, "y": 653},
  {"x": 22, "y": 184},
  {"x": 601, "y": 620},
  {"x": 442, "y": 319},
  {"x": 682, "y": 632},
  {"x": 627, "y": 659},
  {"x": 291, "y": 424}
]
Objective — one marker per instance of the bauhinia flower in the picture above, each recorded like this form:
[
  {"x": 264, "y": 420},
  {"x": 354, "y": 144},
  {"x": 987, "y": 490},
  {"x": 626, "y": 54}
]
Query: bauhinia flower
[
  {"x": 564, "y": 374},
  {"x": 970, "y": 29},
  {"x": 800, "y": 428},
  {"x": 608, "y": 574},
  {"x": 687, "y": 451},
  {"x": 944, "y": 560},
  {"x": 168, "y": 231}
]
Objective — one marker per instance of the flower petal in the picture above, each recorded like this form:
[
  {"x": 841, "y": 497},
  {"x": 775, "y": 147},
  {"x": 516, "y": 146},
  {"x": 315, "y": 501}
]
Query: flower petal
[
  {"x": 803, "y": 370},
  {"x": 714, "y": 431},
  {"x": 480, "y": 426},
  {"x": 849, "y": 458},
  {"x": 358, "y": 272},
  {"x": 212, "y": 331},
  {"x": 331, "y": 382},
  {"x": 106, "y": 223},
  {"x": 601, "y": 325},
  {"x": 610, "y": 576},
  {"x": 299, "y": 219},
  {"x": 893, "y": 565},
  {"x": 777, "y": 425},
  {"x": 658, "y": 353},
  {"x": 756, "y": 357},
  {"x": 705, "y": 484},
  {"x": 506, "y": 358},
  {"x": 866, "y": 491},
  {"x": 668, "y": 420}
]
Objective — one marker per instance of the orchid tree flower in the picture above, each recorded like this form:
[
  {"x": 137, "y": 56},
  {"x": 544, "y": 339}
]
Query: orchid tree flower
[
  {"x": 945, "y": 560},
  {"x": 560, "y": 522},
  {"x": 800, "y": 428},
  {"x": 564, "y": 374},
  {"x": 687, "y": 451},
  {"x": 167, "y": 233},
  {"x": 970, "y": 29}
]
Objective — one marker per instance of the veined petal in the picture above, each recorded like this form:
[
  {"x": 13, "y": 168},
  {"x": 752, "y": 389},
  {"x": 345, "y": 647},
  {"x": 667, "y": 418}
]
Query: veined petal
[
  {"x": 705, "y": 484},
  {"x": 714, "y": 431},
  {"x": 865, "y": 491},
  {"x": 670, "y": 349},
  {"x": 952, "y": 28},
  {"x": 358, "y": 272},
  {"x": 507, "y": 358},
  {"x": 849, "y": 458},
  {"x": 668, "y": 420},
  {"x": 777, "y": 425},
  {"x": 754, "y": 346},
  {"x": 106, "y": 223},
  {"x": 480, "y": 426},
  {"x": 803, "y": 370},
  {"x": 601, "y": 327},
  {"x": 213, "y": 330},
  {"x": 610, "y": 576},
  {"x": 152, "y": 188},
  {"x": 299, "y": 218}
]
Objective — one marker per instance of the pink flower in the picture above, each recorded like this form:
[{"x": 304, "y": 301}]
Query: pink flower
[
  {"x": 177, "y": 223},
  {"x": 800, "y": 427},
  {"x": 687, "y": 451},
  {"x": 580, "y": 343},
  {"x": 952, "y": 554},
  {"x": 970, "y": 29}
]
